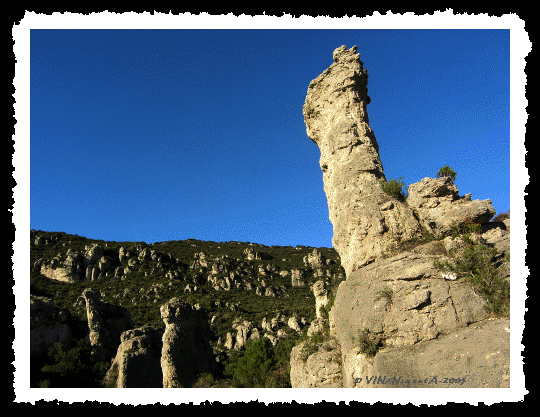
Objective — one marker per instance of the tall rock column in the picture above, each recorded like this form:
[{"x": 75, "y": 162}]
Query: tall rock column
[
  {"x": 366, "y": 221},
  {"x": 186, "y": 350}
]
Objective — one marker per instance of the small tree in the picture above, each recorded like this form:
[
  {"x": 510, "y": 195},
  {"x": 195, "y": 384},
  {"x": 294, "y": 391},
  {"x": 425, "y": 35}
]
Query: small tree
[
  {"x": 393, "y": 188},
  {"x": 446, "y": 171},
  {"x": 252, "y": 369}
]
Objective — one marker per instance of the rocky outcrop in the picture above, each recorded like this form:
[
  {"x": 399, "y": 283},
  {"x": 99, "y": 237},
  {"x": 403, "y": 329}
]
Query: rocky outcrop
[
  {"x": 314, "y": 259},
  {"x": 335, "y": 113},
  {"x": 403, "y": 300},
  {"x": 297, "y": 277},
  {"x": 395, "y": 316},
  {"x": 439, "y": 207},
  {"x": 106, "y": 323},
  {"x": 321, "y": 297},
  {"x": 137, "y": 363},
  {"x": 186, "y": 348},
  {"x": 319, "y": 369},
  {"x": 48, "y": 325},
  {"x": 477, "y": 356},
  {"x": 70, "y": 270}
]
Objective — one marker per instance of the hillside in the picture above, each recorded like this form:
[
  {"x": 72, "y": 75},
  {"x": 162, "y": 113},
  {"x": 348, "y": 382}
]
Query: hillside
[{"x": 231, "y": 282}]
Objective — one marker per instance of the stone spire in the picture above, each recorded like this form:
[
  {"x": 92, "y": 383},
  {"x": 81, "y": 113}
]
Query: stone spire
[{"x": 366, "y": 222}]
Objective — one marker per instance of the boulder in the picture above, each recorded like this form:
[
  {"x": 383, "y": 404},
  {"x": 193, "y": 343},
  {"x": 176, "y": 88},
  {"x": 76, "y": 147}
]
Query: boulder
[
  {"x": 93, "y": 253},
  {"x": 404, "y": 300},
  {"x": 314, "y": 259},
  {"x": 293, "y": 324},
  {"x": 321, "y": 297},
  {"x": 243, "y": 331},
  {"x": 186, "y": 348},
  {"x": 297, "y": 277}
]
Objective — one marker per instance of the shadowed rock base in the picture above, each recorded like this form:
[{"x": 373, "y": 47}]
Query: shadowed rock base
[{"x": 477, "y": 356}]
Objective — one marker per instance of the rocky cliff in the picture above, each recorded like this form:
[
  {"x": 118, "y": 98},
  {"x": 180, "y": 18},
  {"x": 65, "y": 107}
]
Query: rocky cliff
[{"x": 407, "y": 311}]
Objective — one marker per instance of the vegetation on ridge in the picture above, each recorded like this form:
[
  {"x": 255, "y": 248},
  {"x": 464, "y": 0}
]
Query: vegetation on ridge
[{"x": 143, "y": 290}]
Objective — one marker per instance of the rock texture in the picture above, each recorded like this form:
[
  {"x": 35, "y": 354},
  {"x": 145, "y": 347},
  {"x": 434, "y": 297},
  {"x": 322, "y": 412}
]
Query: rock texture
[
  {"x": 186, "y": 348},
  {"x": 321, "y": 369},
  {"x": 137, "y": 363},
  {"x": 335, "y": 113},
  {"x": 106, "y": 322},
  {"x": 477, "y": 356},
  {"x": 404, "y": 300},
  {"x": 438, "y": 205}
]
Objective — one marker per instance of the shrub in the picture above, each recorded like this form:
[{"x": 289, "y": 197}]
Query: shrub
[
  {"x": 252, "y": 369},
  {"x": 393, "y": 188},
  {"x": 74, "y": 367},
  {"x": 476, "y": 263},
  {"x": 204, "y": 380},
  {"x": 369, "y": 343},
  {"x": 501, "y": 217},
  {"x": 446, "y": 171},
  {"x": 279, "y": 377}
]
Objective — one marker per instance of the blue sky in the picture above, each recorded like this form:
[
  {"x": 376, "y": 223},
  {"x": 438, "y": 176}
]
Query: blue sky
[{"x": 154, "y": 135}]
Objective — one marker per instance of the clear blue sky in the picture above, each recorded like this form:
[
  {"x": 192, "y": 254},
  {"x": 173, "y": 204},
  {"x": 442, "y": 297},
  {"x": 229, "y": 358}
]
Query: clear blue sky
[{"x": 154, "y": 135}]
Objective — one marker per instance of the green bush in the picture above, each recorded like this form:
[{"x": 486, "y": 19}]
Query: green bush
[
  {"x": 446, "y": 171},
  {"x": 501, "y": 217},
  {"x": 74, "y": 367},
  {"x": 252, "y": 369},
  {"x": 476, "y": 263},
  {"x": 393, "y": 188},
  {"x": 369, "y": 343}
]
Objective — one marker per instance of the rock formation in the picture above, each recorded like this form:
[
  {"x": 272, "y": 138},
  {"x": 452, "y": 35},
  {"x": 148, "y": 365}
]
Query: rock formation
[
  {"x": 335, "y": 113},
  {"x": 106, "y": 322},
  {"x": 321, "y": 297},
  {"x": 321, "y": 369},
  {"x": 137, "y": 362},
  {"x": 314, "y": 259},
  {"x": 397, "y": 316},
  {"x": 438, "y": 205},
  {"x": 186, "y": 348}
]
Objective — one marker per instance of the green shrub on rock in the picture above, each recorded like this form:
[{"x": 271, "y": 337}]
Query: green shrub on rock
[
  {"x": 393, "y": 188},
  {"x": 476, "y": 263},
  {"x": 446, "y": 171},
  {"x": 370, "y": 343}
]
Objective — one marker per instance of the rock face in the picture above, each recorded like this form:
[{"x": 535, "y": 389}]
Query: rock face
[
  {"x": 106, "y": 322},
  {"x": 439, "y": 206},
  {"x": 404, "y": 300},
  {"x": 477, "y": 356},
  {"x": 321, "y": 369},
  {"x": 137, "y": 363},
  {"x": 48, "y": 325},
  {"x": 186, "y": 348},
  {"x": 335, "y": 113},
  {"x": 399, "y": 316}
]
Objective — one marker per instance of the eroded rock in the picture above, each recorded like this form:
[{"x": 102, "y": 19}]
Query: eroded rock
[{"x": 335, "y": 113}]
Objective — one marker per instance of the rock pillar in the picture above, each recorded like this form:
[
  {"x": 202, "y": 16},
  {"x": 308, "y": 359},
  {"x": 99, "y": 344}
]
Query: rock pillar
[{"x": 335, "y": 113}]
